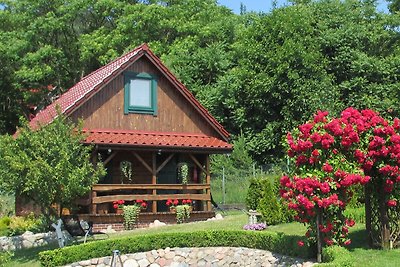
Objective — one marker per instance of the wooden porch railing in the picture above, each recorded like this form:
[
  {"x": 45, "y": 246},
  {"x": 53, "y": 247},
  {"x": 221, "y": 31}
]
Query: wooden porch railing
[{"x": 115, "y": 195}]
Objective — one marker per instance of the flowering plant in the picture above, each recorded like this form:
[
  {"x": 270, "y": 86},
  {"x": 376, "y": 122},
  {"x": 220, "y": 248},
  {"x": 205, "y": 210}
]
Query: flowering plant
[
  {"x": 172, "y": 203},
  {"x": 141, "y": 203},
  {"x": 187, "y": 202},
  {"x": 333, "y": 154},
  {"x": 118, "y": 204},
  {"x": 255, "y": 226}
]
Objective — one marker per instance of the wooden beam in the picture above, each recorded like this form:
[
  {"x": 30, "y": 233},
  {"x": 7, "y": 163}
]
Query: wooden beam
[
  {"x": 109, "y": 158},
  {"x": 154, "y": 181},
  {"x": 113, "y": 187},
  {"x": 107, "y": 199},
  {"x": 142, "y": 161},
  {"x": 197, "y": 163},
  {"x": 165, "y": 162},
  {"x": 93, "y": 208},
  {"x": 208, "y": 181}
]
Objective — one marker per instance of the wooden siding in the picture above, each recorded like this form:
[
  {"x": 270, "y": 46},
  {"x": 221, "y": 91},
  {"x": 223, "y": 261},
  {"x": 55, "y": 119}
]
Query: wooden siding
[
  {"x": 140, "y": 174},
  {"x": 105, "y": 110}
]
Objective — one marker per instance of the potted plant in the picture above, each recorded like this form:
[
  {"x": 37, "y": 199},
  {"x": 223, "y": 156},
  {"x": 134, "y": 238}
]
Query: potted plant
[
  {"x": 118, "y": 206},
  {"x": 184, "y": 172},
  {"x": 131, "y": 213},
  {"x": 172, "y": 204},
  {"x": 126, "y": 169}
]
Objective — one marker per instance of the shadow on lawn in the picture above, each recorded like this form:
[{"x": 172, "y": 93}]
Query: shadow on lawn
[
  {"x": 31, "y": 254},
  {"x": 358, "y": 239}
]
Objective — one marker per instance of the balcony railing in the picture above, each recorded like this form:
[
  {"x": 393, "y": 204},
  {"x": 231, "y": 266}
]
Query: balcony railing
[{"x": 107, "y": 193}]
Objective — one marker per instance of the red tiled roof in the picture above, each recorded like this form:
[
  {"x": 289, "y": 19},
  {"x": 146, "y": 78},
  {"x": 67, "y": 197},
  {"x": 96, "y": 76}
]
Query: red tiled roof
[
  {"x": 155, "y": 140},
  {"x": 96, "y": 80}
]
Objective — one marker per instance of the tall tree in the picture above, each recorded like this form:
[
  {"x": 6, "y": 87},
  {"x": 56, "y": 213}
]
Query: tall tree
[{"x": 48, "y": 166}]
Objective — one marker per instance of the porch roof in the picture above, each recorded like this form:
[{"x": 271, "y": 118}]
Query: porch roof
[{"x": 156, "y": 140}]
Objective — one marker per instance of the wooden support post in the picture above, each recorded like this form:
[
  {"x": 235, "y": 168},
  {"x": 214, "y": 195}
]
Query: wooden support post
[
  {"x": 107, "y": 160},
  {"x": 208, "y": 181},
  {"x": 144, "y": 162},
  {"x": 154, "y": 181},
  {"x": 93, "y": 206}
]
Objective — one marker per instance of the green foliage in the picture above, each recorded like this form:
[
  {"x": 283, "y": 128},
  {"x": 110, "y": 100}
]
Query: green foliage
[
  {"x": 183, "y": 172},
  {"x": 255, "y": 192},
  {"x": 337, "y": 256},
  {"x": 131, "y": 215},
  {"x": 7, "y": 205},
  {"x": 5, "y": 257},
  {"x": 262, "y": 240},
  {"x": 182, "y": 213},
  {"x": 357, "y": 214},
  {"x": 259, "y": 74},
  {"x": 263, "y": 196},
  {"x": 48, "y": 166},
  {"x": 19, "y": 225},
  {"x": 4, "y": 224}
]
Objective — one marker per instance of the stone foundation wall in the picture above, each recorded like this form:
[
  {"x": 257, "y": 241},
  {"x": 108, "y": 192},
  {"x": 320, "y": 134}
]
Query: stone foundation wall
[
  {"x": 182, "y": 257},
  {"x": 29, "y": 240}
]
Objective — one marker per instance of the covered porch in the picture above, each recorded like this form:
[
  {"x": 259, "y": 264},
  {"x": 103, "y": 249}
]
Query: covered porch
[{"x": 149, "y": 169}]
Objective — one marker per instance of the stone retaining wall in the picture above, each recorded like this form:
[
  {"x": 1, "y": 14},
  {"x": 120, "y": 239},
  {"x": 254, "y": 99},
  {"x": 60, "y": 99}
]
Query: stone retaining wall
[
  {"x": 29, "y": 240},
  {"x": 182, "y": 257}
]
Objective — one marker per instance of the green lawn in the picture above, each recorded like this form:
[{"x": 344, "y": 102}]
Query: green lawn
[{"x": 362, "y": 255}]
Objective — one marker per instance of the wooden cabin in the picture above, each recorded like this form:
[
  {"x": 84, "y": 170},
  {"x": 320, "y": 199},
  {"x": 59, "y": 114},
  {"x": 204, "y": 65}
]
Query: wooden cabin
[{"x": 144, "y": 125}]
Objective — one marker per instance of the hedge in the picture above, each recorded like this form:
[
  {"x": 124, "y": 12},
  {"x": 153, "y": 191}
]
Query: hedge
[
  {"x": 271, "y": 241},
  {"x": 336, "y": 256}
]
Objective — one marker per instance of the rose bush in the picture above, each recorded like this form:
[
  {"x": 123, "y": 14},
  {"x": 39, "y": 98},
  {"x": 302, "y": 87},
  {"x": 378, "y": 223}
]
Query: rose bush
[{"x": 332, "y": 155}]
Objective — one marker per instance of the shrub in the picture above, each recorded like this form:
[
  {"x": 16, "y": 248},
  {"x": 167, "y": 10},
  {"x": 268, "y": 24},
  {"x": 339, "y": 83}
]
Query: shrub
[
  {"x": 18, "y": 225},
  {"x": 279, "y": 243},
  {"x": 263, "y": 195},
  {"x": 337, "y": 256},
  {"x": 4, "y": 223},
  {"x": 255, "y": 193}
]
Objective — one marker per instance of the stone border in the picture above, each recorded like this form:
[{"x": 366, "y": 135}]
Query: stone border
[
  {"x": 29, "y": 240},
  {"x": 215, "y": 256}
]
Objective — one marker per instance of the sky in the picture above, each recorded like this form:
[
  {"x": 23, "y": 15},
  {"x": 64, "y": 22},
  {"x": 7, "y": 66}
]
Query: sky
[{"x": 266, "y": 5}]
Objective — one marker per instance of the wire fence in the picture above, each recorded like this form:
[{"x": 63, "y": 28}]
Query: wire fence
[{"x": 230, "y": 185}]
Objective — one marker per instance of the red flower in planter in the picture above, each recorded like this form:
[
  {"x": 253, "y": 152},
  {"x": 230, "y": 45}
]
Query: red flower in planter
[
  {"x": 118, "y": 204},
  {"x": 187, "y": 202},
  {"x": 141, "y": 203},
  {"x": 391, "y": 203},
  {"x": 172, "y": 203}
]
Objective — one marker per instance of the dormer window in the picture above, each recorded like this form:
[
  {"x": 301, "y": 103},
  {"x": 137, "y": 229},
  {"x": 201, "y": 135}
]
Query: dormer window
[{"x": 140, "y": 93}]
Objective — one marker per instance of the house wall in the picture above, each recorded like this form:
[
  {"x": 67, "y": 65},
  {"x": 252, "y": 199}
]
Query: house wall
[
  {"x": 140, "y": 174},
  {"x": 105, "y": 110}
]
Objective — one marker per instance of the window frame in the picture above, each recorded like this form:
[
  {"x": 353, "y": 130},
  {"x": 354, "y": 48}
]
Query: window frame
[{"x": 128, "y": 77}]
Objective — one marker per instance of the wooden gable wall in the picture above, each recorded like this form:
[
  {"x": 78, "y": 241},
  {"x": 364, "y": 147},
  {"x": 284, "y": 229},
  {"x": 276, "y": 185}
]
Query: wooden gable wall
[{"x": 105, "y": 110}]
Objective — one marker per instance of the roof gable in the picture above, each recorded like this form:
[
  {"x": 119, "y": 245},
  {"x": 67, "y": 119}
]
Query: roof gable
[{"x": 95, "y": 81}]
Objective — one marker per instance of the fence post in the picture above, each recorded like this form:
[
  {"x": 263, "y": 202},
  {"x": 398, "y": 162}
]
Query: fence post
[{"x": 223, "y": 185}]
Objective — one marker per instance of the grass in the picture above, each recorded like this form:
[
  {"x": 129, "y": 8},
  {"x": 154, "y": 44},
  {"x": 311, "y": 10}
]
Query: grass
[{"x": 363, "y": 256}]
